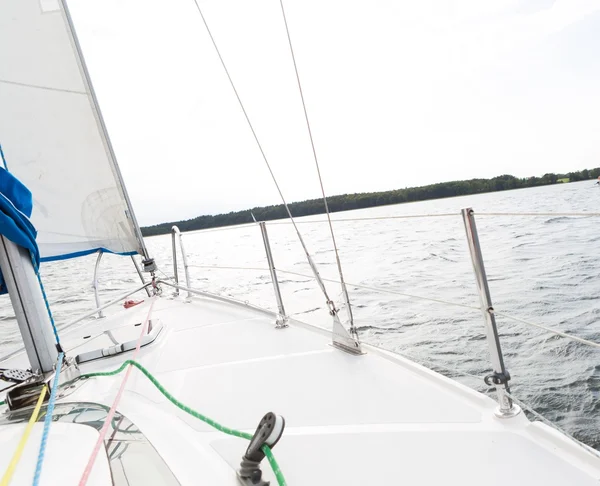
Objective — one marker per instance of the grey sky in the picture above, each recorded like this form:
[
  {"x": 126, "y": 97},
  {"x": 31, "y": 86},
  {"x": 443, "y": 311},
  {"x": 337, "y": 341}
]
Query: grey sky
[{"x": 400, "y": 93}]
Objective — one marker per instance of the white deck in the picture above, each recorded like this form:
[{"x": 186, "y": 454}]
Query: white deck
[{"x": 375, "y": 419}]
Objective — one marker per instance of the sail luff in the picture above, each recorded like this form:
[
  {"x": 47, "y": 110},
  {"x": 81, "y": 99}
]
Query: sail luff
[{"x": 142, "y": 250}]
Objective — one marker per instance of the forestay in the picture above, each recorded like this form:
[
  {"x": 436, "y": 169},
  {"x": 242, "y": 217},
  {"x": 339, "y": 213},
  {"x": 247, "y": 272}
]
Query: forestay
[{"x": 53, "y": 136}]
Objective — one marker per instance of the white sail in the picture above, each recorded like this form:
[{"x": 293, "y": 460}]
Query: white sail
[{"x": 53, "y": 136}]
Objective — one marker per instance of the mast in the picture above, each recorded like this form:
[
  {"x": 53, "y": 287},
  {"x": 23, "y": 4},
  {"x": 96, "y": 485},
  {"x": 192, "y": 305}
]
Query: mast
[
  {"x": 29, "y": 306},
  {"x": 80, "y": 124},
  {"x": 102, "y": 127}
]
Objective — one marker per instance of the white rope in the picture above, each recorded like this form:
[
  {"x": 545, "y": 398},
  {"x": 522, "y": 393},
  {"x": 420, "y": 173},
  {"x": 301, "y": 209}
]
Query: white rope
[
  {"x": 549, "y": 329},
  {"x": 388, "y": 291}
]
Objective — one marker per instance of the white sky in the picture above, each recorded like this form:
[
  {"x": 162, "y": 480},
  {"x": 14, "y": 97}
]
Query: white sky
[{"x": 400, "y": 93}]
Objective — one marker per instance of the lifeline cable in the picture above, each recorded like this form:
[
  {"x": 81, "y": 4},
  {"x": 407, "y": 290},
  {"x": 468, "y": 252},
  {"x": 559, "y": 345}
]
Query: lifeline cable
[{"x": 314, "y": 151}]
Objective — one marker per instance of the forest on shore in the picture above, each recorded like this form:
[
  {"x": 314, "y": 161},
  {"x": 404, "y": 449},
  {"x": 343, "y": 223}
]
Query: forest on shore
[{"x": 345, "y": 202}]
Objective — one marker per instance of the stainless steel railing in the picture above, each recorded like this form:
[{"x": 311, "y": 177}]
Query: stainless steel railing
[
  {"x": 95, "y": 284},
  {"x": 508, "y": 405},
  {"x": 176, "y": 234},
  {"x": 500, "y": 377},
  {"x": 282, "y": 319}
]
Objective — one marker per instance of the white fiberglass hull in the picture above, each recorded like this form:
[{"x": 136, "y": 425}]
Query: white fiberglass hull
[{"x": 375, "y": 419}]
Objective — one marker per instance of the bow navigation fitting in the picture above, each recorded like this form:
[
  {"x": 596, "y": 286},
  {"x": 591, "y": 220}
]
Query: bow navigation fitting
[{"x": 269, "y": 431}]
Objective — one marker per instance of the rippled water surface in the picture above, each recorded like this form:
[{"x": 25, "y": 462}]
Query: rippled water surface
[{"x": 540, "y": 268}]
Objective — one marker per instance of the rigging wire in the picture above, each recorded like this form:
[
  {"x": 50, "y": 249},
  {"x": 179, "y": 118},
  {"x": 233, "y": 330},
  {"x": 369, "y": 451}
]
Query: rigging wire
[
  {"x": 314, "y": 151},
  {"x": 312, "y": 264}
]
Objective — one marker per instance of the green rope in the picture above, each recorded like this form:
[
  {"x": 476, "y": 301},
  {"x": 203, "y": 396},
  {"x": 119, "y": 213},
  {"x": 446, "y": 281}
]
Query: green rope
[{"x": 221, "y": 428}]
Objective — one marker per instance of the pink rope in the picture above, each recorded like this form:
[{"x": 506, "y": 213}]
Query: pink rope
[{"x": 113, "y": 408}]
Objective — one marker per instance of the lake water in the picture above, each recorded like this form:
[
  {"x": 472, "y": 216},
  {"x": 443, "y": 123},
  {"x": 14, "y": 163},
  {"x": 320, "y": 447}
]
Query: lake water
[{"x": 540, "y": 268}]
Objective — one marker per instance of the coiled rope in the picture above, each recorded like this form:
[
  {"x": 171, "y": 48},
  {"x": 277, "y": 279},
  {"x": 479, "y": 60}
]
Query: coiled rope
[{"x": 221, "y": 428}]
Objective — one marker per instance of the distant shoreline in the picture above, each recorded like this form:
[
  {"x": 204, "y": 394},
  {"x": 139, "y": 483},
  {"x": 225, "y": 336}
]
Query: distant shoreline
[{"x": 347, "y": 202}]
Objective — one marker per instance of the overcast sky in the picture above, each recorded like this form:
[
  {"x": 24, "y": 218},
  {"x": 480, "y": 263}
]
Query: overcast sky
[{"x": 399, "y": 93}]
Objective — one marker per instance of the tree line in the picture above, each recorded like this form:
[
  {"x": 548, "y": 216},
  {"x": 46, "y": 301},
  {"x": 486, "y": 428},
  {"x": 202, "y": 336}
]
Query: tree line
[{"x": 345, "y": 202}]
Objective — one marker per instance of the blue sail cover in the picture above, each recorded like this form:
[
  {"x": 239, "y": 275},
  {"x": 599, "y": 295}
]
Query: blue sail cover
[{"x": 16, "y": 206}]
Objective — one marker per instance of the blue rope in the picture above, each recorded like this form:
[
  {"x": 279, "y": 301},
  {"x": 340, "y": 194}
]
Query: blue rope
[
  {"x": 2, "y": 157},
  {"x": 37, "y": 273},
  {"x": 47, "y": 422}
]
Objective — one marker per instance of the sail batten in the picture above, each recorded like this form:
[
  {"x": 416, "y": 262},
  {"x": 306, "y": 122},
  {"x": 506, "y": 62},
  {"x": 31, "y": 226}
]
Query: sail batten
[{"x": 54, "y": 137}]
